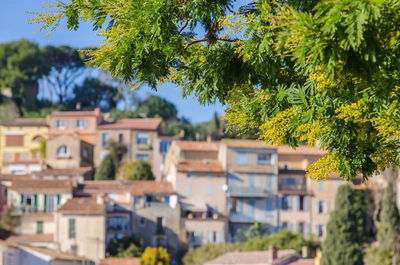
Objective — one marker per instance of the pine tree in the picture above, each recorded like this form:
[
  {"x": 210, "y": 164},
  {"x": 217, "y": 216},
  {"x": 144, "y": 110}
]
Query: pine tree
[
  {"x": 389, "y": 225},
  {"x": 343, "y": 244},
  {"x": 106, "y": 170}
]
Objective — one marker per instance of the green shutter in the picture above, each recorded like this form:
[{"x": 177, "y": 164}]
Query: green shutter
[
  {"x": 58, "y": 199},
  {"x": 22, "y": 198},
  {"x": 71, "y": 228},
  {"x": 45, "y": 203},
  {"x": 35, "y": 199}
]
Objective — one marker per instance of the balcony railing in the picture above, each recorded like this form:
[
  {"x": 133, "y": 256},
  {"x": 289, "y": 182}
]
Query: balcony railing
[
  {"x": 293, "y": 187},
  {"x": 117, "y": 228},
  {"x": 248, "y": 192},
  {"x": 240, "y": 218}
]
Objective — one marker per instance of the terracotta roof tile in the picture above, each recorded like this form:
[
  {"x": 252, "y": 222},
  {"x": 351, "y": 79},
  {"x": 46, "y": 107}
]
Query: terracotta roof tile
[
  {"x": 200, "y": 166},
  {"x": 141, "y": 187},
  {"x": 37, "y": 185},
  {"x": 198, "y": 146},
  {"x": 31, "y": 238},
  {"x": 64, "y": 171},
  {"x": 138, "y": 124},
  {"x": 251, "y": 257},
  {"x": 82, "y": 205},
  {"x": 23, "y": 162},
  {"x": 11, "y": 177},
  {"x": 26, "y": 122},
  {"x": 120, "y": 261},
  {"x": 242, "y": 143}
]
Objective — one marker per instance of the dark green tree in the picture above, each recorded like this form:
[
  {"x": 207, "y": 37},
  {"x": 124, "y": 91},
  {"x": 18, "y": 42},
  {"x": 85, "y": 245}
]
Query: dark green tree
[
  {"x": 67, "y": 64},
  {"x": 136, "y": 170},
  {"x": 156, "y": 106},
  {"x": 343, "y": 244},
  {"x": 106, "y": 170},
  {"x": 125, "y": 247},
  {"x": 21, "y": 66},
  {"x": 94, "y": 93},
  {"x": 389, "y": 225}
]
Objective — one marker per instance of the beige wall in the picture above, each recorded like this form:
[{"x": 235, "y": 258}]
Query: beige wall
[
  {"x": 205, "y": 226},
  {"x": 252, "y": 165},
  {"x": 76, "y": 147},
  {"x": 199, "y": 187},
  {"x": 90, "y": 234},
  {"x": 28, "y": 224}
]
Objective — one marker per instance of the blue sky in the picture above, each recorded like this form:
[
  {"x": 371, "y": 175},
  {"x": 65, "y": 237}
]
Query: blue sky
[{"x": 14, "y": 26}]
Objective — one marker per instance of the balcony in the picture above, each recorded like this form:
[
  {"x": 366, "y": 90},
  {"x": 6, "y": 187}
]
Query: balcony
[
  {"x": 118, "y": 228},
  {"x": 240, "y": 218},
  {"x": 293, "y": 187},
  {"x": 248, "y": 192}
]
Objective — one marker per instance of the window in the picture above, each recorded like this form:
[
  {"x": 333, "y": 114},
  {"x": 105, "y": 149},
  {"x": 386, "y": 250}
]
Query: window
[
  {"x": 269, "y": 207},
  {"x": 270, "y": 181},
  {"x": 191, "y": 175},
  {"x": 142, "y": 138},
  {"x": 39, "y": 227},
  {"x": 24, "y": 156},
  {"x": 142, "y": 221},
  {"x": 239, "y": 206},
  {"x": 160, "y": 225},
  {"x": 264, "y": 159},
  {"x": 164, "y": 146},
  {"x": 300, "y": 206},
  {"x": 300, "y": 228},
  {"x": 321, "y": 186},
  {"x": 210, "y": 175},
  {"x": 210, "y": 189},
  {"x": 188, "y": 189},
  {"x": 71, "y": 228},
  {"x": 51, "y": 204},
  {"x": 252, "y": 206},
  {"x": 234, "y": 180},
  {"x": 85, "y": 153},
  {"x": 284, "y": 225},
  {"x": 63, "y": 151},
  {"x": 143, "y": 157},
  {"x": 74, "y": 249},
  {"x": 320, "y": 207},
  {"x": 212, "y": 236},
  {"x": 289, "y": 181},
  {"x": 319, "y": 230},
  {"x": 286, "y": 203},
  {"x": 120, "y": 138},
  {"x": 60, "y": 124},
  {"x": 252, "y": 180},
  {"x": 81, "y": 124},
  {"x": 8, "y": 157},
  {"x": 105, "y": 138},
  {"x": 241, "y": 158},
  {"x": 195, "y": 237}
]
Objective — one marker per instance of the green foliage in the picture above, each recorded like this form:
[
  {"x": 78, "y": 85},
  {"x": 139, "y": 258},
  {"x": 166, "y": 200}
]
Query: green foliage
[
  {"x": 343, "y": 244},
  {"x": 389, "y": 225},
  {"x": 8, "y": 111},
  {"x": 21, "y": 66},
  {"x": 364, "y": 210},
  {"x": 256, "y": 230},
  {"x": 136, "y": 170},
  {"x": 154, "y": 107},
  {"x": 106, "y": 170},
  {"x": 297, "y": 71},
  {"x": 94, "y": 93},
  {"x": 155, "y": 256},
  {"x": 125, "y": 247},
  {"x": 199, "y": 256},
  {"x": 378, "y": 256},
  {"x": 8, "y": 222},
  {"x": 40, "y": 108}
]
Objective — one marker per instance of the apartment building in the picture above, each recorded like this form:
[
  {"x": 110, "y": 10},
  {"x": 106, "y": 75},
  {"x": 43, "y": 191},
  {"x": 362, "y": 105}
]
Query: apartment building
[
  {"x": 81, "y": 123},
  {"x": 20, "y": 145},
  {"x": 252, "y": 178},
  {"x": 197, "y": 175},
  {"x": 137, "y": 136}
]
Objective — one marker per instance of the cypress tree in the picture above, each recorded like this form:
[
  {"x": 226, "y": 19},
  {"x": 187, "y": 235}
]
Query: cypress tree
[
  {"x": 389, "y": 225},
  {"x": 106, "y": 170},
  {"x": 343, "y": 244}
]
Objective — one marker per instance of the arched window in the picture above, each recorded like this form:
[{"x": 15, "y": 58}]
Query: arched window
[
  {"x": 37, "y": 139},
  {"x": 63, "y": 151}
]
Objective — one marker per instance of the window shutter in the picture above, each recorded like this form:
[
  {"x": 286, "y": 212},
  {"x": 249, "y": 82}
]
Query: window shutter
[
  {"x": 35, "y": 200},
  {"x": 22, "y": 198},
  {"x": 45, "y": 203},
  {"x": 58, "y": 199},
  {"x": 289, "y": 202},
  {"x": 66, "y": 124},
  {"x": 316, "y": 207},
  {"x": 297, "y": 203},
  {"x": 220, "y": 236},
  {"x": 326, "y": 208},
  {"x": 307, "y": 202},
  {"x": 210, "y": 236},
  {"x": 307, "y": 229},
  {"x": 55, "y": 124},
  {"x": 290, "y": 226},
  {"x": 86, "y": 123}
]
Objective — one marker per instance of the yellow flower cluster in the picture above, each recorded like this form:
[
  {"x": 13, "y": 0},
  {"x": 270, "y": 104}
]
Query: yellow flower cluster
[
  {"x": 383, "y": 157},
  {"x": 274, "y": 130},
  {"x": 387, "y": 128},
  {"x": 353, "y": 111},
  {"x": 323, "y": 168},
  {"x": 262, "y": 95},
  {"x": 320, "y": 78},
  {"x": 155, "y": 256},
  {"x": 311, "y": 132}
]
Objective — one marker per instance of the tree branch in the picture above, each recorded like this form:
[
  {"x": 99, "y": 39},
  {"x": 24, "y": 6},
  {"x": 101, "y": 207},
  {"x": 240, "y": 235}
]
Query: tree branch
[
  {"x": 184, "y": 26},
  {"x": 194, "y": 42}
]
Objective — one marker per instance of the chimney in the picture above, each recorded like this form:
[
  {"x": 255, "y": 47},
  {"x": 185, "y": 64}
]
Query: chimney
[
  {"x": 78, "y": 106},
  {"x": 97, "y": 111},
  {"x": 305, "y": 252},
  {"x": 99, "y": 199},
  {"x": 208, "y": 139},
  {"x": 273, "y": 254}
]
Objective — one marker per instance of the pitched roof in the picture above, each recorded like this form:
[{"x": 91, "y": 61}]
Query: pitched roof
[
  {"x": 36, "y": 185},
  {"x": 54, "y": 254},
  {"x": 198, "y": 146},
  {"x": 300, "y": 150},
  {"x": 243, "y": 143},
  {"x": 82, "y": 205},
  {"x": 120, "y": 261},
  {"x": 138, "y": 124},
  {"x": 26, "y": 122},
  {"x": 12, "y": 177},
  {"x": 252, "y": 257},
  {"x": 200, "y": 166},
  {"x": 30, "y": 238},
  {"x": 141, "y": 187},
  {"x": 64, "y": 171},
  {"x": 78, "y": 113}
]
